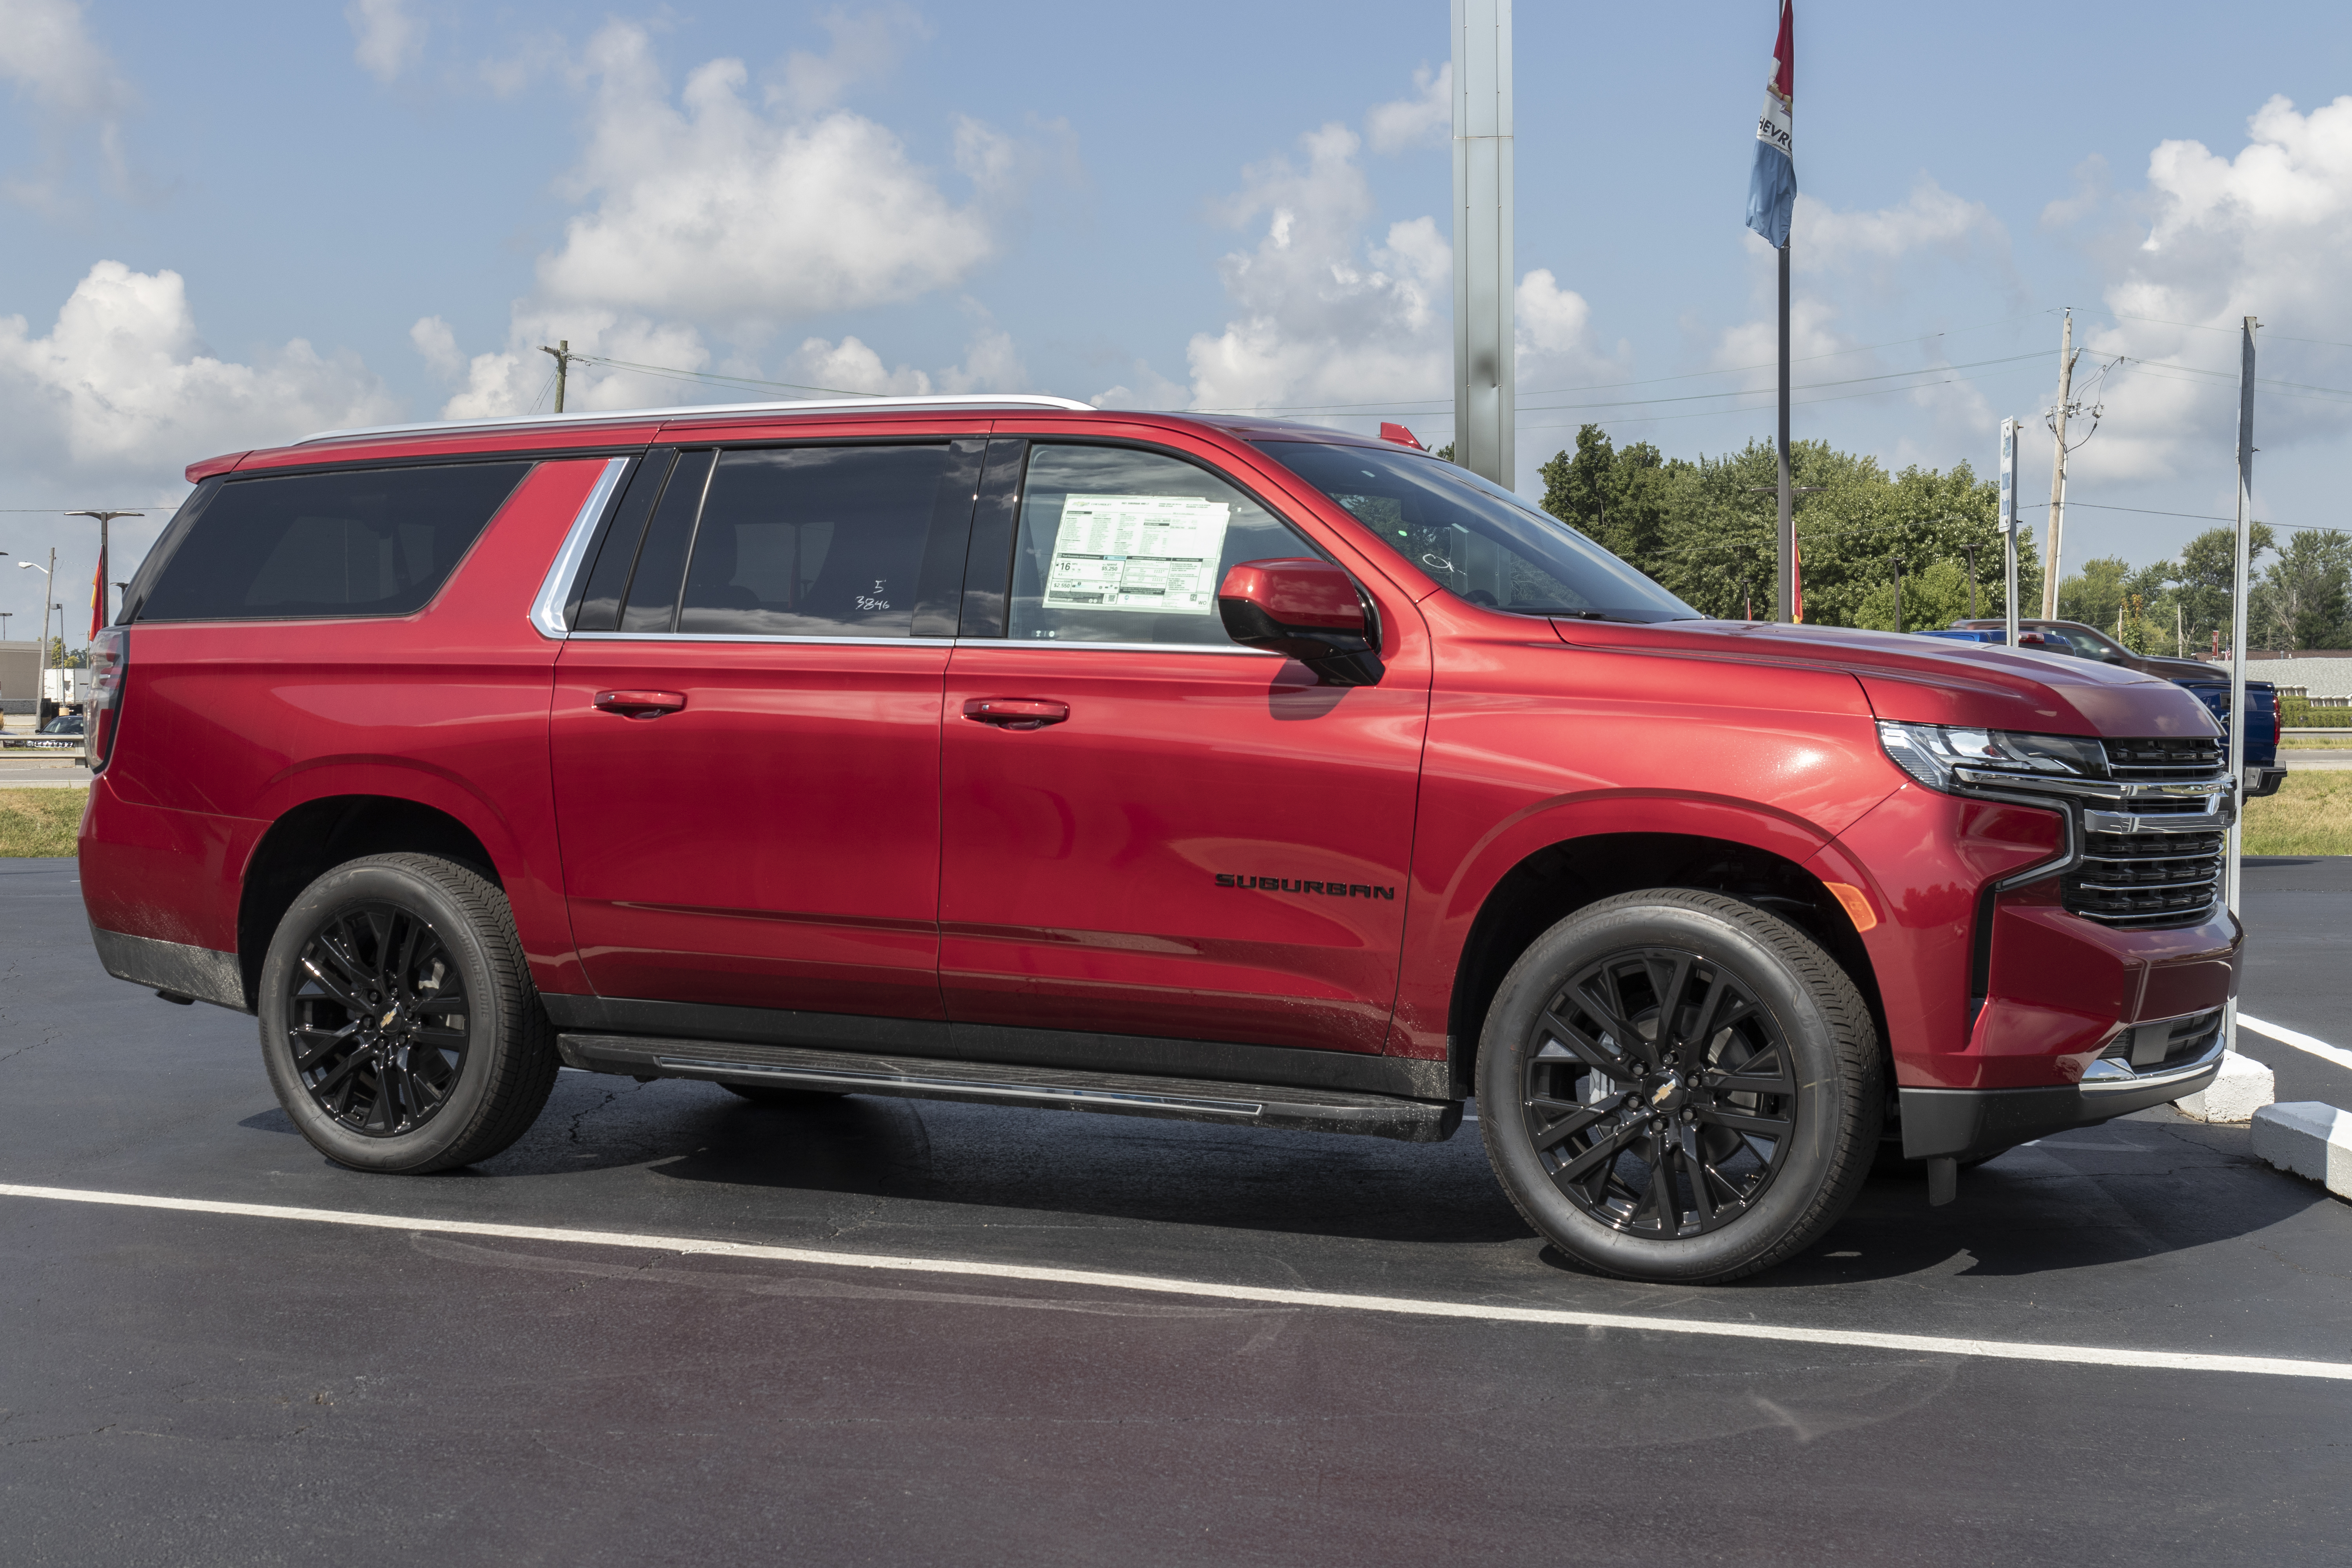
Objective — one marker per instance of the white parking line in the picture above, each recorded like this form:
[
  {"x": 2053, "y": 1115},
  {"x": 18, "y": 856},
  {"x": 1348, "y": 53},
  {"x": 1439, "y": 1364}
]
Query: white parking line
[
  {"x": 2300, "y": 1041},
  {"x": 1400, "y": 1305}
]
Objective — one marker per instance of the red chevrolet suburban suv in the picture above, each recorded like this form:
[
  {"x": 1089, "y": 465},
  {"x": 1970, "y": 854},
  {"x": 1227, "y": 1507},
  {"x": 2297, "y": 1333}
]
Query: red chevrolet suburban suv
[{"x": 1021, "y": 753}]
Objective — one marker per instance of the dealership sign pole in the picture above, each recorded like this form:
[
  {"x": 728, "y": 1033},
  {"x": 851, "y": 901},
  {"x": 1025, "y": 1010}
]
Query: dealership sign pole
[
  {"x": 1484, "y": 398},
  {"x": 2241, "y": 587}
]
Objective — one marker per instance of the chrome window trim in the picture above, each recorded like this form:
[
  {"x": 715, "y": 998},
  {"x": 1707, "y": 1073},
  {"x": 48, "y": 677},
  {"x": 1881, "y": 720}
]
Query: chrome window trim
[
  {"x": 759, "y": 638},
  {"x": 547, "y": 609},
  {"x": 909, "y": 642},
  {"x": 1116, "y": 646}
]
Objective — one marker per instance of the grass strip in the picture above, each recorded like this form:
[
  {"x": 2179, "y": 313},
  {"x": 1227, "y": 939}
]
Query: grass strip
[
  {"x": 2311, "y": 815},
  {"x": 40, "y": 822}
]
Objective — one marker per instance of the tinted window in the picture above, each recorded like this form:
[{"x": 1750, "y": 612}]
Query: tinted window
[
  {"x": 1476, "y": 539},
  {"x": 598, "y": 608},
  {"x": 651, "y": 597},
  {"x": 1117, "y": 545},
  {"x": 372, "y": 542},
  {"x": 816, "y": 541}
]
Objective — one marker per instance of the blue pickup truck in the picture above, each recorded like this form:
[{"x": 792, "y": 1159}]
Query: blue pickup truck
[{"x": 2210, "y": 682}]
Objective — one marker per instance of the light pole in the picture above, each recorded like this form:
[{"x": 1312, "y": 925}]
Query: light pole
[{"x": 49, "y": 574}]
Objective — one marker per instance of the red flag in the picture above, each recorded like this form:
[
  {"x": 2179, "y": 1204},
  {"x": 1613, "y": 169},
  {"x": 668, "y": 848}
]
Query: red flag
[
  {"x": 98, "y": 601},
  {"x": 1797, "y": 577}
]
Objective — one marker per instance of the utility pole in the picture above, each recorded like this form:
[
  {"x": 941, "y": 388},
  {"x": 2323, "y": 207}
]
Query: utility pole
[
  {"x": 1898, "y": 590},
  {"x": 2054, "y": 553},
  {"x": 563, "y": 352},
  {"x": 1970, "y": 547},
  {"x": 2009, "y": 434},
  {"x": 1485, "y": 399},
  {"x": 104, "y": 616}
]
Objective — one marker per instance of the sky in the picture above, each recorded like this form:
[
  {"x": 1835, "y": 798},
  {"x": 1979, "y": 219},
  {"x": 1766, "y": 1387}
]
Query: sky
[{"x": 229, "y": 228}]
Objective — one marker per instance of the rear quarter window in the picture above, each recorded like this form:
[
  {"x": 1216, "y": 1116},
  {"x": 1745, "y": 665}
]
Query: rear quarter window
[{"x": 377, "y": 542}]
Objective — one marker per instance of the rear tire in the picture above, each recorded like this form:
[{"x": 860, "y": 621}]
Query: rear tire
[
  {"x": 399, "y": 1024},
  {"x": 1677, "y": 1087}
]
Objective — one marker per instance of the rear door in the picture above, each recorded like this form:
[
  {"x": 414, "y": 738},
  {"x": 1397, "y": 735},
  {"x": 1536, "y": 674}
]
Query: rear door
[
  {"x": 746, "y": 729},
  {"x": 1149, "y": 830}
]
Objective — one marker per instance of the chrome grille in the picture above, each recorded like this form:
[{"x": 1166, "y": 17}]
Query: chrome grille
[
  {"x": 2136, "y": 870},
  {"x": 2165, "y": 760}
]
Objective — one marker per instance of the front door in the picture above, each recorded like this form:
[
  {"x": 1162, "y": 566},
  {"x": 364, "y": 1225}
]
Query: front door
[
  {"x": 746, "y": 729},
  {"x": 1149, "y": 830}
]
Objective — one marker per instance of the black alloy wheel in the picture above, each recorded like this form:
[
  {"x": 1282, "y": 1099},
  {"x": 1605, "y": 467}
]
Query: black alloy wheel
[
  {"x": 1659, "y": 1093},
  {"x": 399, "y": 1024},
  {"x": 1677, "y": 1086},
  {"x": 377, "y": 1020}
]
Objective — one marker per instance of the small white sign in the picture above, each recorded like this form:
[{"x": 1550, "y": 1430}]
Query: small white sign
[{"x": 1156, "y": 553}]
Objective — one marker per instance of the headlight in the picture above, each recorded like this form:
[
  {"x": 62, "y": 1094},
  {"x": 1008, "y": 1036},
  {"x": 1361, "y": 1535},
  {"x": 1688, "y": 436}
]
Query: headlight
[{"x": 1931, "y": 753}]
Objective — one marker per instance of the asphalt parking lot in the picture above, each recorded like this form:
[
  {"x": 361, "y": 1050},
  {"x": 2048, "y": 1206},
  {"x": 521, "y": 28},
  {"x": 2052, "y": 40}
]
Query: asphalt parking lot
[{"x": 528, "y": 1362}]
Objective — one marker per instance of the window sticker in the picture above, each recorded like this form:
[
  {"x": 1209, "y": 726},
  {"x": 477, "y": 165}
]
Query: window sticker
[{"x": 1155, "y": 553}]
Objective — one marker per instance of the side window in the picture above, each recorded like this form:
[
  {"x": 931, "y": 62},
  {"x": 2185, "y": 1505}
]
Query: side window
[
  {"x": 649, "y": 602},
  {"x": 376, "y": 542},
  {"x": 597, "y": 607},
  {"x": 1120, "y": 545},
  {"x": 817, "y": 541}
]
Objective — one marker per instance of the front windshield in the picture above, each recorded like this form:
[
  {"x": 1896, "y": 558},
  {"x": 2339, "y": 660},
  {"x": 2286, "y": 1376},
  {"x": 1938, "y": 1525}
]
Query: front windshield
[{"x": 1475, "y": 539}]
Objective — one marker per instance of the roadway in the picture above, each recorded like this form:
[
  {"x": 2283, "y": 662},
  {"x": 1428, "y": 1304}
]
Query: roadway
[{"x": 531, "y": 1361}]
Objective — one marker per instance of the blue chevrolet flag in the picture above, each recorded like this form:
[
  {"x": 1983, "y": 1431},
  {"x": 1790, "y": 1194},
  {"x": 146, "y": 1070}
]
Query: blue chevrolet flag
[{"x": 1772, "y": 188}]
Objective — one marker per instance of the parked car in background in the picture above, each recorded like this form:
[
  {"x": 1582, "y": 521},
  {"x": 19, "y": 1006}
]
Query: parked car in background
[
  {"x": 1018, "y": 751},
  {"x": 2210, "y": 682},
  {"x": 62, "y": 733}
]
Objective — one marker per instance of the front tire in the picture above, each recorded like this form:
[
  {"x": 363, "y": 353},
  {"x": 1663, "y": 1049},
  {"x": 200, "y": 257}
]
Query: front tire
[
  {"x": 399, "y": 1024},
  {"x": 1677, "y": 1087}
]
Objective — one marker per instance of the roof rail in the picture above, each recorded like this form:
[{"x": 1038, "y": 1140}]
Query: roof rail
[{"x": 797, "y": 405}]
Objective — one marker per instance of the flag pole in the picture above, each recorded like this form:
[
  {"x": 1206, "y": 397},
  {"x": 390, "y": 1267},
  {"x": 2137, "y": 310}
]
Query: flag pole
[
  {"x": 1788, "y": 607},
  {"x": 1771, "y": 201}
]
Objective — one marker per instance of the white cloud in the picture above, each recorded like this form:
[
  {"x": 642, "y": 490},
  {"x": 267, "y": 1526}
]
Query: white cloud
[
  {"x": 519, "y": 378},
  {"x": 865, "y": 46},
  {"x": 2267, "y": 233},
  {"x": 1422, "y": 118},
  {"x": 1325, "y": 316},
  {"x": 709, "y": 209},
  {"x": 120, "y": 394},
  {"x": 388, "y": 37},
  {"x": 1330, "y": 319},
  {"x": 49, "y": 56},
  {"x": 438, "y": 344}
]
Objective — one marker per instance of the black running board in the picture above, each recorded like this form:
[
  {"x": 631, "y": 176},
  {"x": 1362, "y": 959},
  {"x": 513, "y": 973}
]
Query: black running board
[{"x": 1048, "y": 1089}]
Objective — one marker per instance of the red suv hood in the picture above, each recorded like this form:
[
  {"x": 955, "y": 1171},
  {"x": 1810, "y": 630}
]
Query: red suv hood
[{"x": 1935, "y": 680}]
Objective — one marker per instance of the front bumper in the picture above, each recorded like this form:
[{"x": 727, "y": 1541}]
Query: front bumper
[
  {"x": 2261, "y": 782},
  {"x": 1969, "y": 1123}
]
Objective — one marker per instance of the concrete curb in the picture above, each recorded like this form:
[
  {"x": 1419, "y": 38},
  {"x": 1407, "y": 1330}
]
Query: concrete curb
[
  {"x": 2243, "y": 1087},
  {"x": 2310, "y": 1139}
]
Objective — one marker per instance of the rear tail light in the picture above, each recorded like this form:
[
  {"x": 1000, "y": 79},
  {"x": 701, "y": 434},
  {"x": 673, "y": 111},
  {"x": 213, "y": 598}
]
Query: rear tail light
[{"x": 109, "y": 662}]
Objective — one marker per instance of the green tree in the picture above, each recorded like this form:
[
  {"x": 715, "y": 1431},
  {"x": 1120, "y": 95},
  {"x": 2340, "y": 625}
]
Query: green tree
[
  {"x": 2301, "y": 601},
  {"x": 1622, "y": 500},
  {"x": 2207, "y": 569}
]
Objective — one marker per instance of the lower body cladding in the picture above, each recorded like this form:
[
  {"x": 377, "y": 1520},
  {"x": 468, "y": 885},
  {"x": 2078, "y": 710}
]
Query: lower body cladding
[
  {"x": 1042, "y": 1087},
  {"x": 2150, "y": 1064}
]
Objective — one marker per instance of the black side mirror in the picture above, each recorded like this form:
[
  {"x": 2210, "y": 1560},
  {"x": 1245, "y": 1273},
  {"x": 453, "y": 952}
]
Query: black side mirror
[{"x": 1305, "y": 609}]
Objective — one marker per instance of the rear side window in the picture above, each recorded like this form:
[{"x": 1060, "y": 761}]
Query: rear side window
[
  {"x": 817, "y": 541},
  {"x": 367, "y": 542}
]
